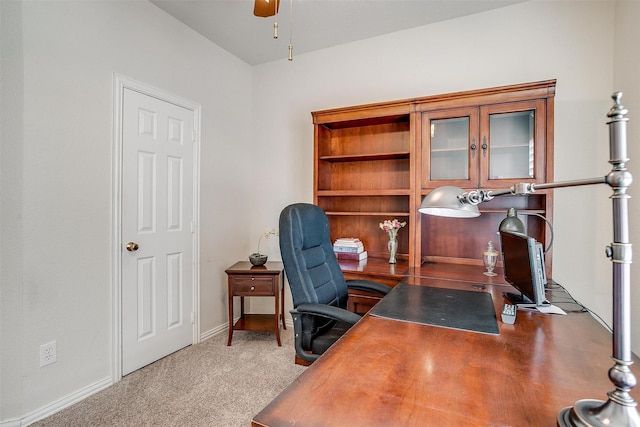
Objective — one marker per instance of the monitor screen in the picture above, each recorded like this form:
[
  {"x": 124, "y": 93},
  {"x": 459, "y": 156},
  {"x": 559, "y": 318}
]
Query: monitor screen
[{"x": 523, "y": 268}]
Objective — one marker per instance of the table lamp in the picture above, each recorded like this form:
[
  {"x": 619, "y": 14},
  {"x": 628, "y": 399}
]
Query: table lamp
[
  {"x": 621, "y": 408},
  {"x": 513, "y": 224}
]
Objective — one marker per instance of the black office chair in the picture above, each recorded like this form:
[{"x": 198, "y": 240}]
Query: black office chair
[{"x": 317, "y": 284}]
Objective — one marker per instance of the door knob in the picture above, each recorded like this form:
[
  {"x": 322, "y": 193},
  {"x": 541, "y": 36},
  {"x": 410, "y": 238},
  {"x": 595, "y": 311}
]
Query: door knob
[{"x": 132, "y": 246}]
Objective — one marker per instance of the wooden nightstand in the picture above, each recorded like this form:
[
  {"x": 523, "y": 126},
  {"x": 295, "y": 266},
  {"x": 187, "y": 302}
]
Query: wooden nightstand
[{"x": 246, "y": 280}]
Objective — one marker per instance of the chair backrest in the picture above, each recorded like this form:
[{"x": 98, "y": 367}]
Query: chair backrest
[{"x": 311, "y": 266}]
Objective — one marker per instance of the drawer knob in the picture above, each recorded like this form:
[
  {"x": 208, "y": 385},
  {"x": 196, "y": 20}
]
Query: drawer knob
[
  {"x": 253, "y": 288},
  {"x": 253, "y": 278}
]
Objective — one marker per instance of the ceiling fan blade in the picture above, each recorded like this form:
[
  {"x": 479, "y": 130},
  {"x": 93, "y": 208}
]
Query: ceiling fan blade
[{"x": 265, "y": 8}]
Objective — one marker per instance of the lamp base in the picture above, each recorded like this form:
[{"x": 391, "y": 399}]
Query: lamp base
[{"x": 595, "y": 413}]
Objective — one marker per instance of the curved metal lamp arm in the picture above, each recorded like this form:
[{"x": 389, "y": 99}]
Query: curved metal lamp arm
[{"x": 544, "y": 218}]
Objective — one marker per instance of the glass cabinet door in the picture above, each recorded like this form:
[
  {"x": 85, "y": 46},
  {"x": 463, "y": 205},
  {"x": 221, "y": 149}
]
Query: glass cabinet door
[
  {"x": 511, "y": 150},
  {"x": 512, "y": 138},
  {"x": 449, "y": 148}
]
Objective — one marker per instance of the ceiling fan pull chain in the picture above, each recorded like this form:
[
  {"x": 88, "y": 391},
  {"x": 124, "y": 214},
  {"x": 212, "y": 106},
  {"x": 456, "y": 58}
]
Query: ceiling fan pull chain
[
  {"x": 290, "y": 31},
  {"x": 275, "y": 18}
]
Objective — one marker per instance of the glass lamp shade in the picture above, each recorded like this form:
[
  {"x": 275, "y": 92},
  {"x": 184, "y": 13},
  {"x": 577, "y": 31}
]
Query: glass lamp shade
[
  {"x": 512, "y": 223},
  {"x": 444, "y": 201}
]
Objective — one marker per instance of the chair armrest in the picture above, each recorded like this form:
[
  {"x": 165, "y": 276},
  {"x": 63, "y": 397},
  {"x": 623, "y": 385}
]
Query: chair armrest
[
  {"x": 317, "y": 310},
  {"x": 329, "y": 311},
  {"x": 369, "y": 285}
]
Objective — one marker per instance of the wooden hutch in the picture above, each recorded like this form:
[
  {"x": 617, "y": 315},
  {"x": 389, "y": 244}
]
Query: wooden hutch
[{"x": 378, "y": 161}]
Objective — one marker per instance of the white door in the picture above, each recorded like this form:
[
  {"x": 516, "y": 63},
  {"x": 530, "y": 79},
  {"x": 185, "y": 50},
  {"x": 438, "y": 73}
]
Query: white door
[{"x": 157, "y": 229}]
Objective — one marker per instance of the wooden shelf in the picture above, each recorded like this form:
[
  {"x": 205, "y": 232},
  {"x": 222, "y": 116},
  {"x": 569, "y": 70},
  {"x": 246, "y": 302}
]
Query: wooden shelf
[
  {"x": 362, "y": 193},
  {"x": 254, "y": 322},
  {"x": 366, "y": 157},
  {"x": 394, "y": 214}
]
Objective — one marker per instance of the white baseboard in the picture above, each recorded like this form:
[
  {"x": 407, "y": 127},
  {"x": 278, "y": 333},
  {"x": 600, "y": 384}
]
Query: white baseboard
[
  {"x": 59, "y": 405},
  {"x": 10, "y": 423},
  {"x": 215, "y": 331}
]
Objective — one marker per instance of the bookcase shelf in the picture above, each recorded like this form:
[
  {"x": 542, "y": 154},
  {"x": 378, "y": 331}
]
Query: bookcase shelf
[
  {"x": 363, "y": 193},
  {"x": 366, "y": 157},
  {"x": 360, "y": 213}
]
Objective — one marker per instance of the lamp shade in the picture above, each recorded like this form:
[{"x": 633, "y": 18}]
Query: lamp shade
[
  {"x": 445, "y": 201},
  {"x": 512, "y": 223}
]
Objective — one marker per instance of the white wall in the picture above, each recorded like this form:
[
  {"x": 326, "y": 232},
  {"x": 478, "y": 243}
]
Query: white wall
[
  {"x": 572, "y": 42},
  {"x": 58, "y": 276},
  {"x": 11, "y": 103},
  {"x": 257, "y": 150}
]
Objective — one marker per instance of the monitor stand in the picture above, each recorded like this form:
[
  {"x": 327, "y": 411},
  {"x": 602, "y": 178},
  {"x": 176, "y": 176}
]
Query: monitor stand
[
  {"x": 518, "y": 299},
  {"x": 522, "y": 300}
]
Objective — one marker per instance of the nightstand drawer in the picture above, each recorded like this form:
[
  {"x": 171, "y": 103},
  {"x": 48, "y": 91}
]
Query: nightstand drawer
[{"x": 249, "y": 285}]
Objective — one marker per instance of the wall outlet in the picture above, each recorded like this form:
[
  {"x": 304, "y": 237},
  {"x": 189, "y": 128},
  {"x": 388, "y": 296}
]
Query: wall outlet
[{"x": 47, "y": 353}]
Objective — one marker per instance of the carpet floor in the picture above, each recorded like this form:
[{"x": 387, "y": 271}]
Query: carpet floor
[{"x": 208, "y": 384}]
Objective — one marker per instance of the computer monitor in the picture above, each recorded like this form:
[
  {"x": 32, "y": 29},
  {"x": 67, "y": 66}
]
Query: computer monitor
[{"x": 523, "y": 259}]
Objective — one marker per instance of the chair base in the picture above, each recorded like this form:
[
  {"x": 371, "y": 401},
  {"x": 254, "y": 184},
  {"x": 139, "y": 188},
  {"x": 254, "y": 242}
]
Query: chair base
[{"x": 301, "y": 362}]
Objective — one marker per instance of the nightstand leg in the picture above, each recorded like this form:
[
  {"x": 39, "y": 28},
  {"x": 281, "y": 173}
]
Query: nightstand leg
[
  {"x": 284, "y": 326},
  {"x": 276, "y": 318},
  {"x": 230, "y": 315}
]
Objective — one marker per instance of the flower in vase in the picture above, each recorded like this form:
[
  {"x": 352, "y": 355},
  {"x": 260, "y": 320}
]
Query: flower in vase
[
  {"x": 266, "y": 234},
  {"x": 391, "y": 226}
]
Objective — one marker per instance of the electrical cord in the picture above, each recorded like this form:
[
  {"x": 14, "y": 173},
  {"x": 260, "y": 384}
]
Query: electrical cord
[{"x": 572, "y": 300}]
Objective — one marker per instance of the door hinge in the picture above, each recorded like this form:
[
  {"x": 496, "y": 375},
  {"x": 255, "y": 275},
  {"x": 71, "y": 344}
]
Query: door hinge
[
  {"x": 194, "y": 135},
  {"x": 193, "y": 227},
  {"x": 193, "y": 317}
]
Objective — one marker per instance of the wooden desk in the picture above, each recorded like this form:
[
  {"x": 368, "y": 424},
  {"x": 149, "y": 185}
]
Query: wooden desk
[
  {"x": 391, "y": 373},
  {"x": 246, "y": 280}
]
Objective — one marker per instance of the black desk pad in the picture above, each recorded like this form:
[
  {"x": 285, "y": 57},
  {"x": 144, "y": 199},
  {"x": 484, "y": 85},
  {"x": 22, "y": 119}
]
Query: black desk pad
[{"x": 448, "y": 308}]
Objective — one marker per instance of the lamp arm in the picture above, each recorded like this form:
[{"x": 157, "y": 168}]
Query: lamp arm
[
  {"x": 573, "y": 183},
  {"x": 476, "y": 197}
]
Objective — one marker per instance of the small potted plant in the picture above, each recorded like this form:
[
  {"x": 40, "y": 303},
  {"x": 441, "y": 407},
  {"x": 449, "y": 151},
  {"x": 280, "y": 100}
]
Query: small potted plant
[{"x": 258, "y": 258}]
